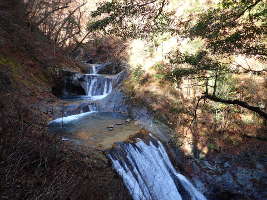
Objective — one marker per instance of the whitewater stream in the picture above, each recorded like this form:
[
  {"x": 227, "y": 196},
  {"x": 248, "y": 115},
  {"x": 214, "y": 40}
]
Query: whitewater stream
[{"x": 144, "y": 166}]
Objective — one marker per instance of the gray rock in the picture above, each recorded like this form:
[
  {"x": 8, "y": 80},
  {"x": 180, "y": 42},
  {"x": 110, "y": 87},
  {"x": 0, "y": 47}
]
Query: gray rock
[{"x": 226, "y": 165}]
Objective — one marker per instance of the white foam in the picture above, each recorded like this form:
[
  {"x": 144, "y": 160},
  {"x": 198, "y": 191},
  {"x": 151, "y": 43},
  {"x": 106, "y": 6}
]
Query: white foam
[
  {"x": 94, "y": 69},
  {"x": 90, "y": 87},
  {"x": 70, "y": 118},
  {"x": 65, "y": 139},
  {"x": 149, "y": 174}
]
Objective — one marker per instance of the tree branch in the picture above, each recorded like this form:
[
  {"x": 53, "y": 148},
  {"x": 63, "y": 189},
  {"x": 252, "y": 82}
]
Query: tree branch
[
  {"x": 66, "y": 20},
  {"x": 49, "y": 13},
  {"x": 237, "y": 102},
  {"x": 144, "y": 4},
  {"x": 80, "y": 43},
  {"x": 160, "y": 9},
  {"x": 248, "y": 8}
]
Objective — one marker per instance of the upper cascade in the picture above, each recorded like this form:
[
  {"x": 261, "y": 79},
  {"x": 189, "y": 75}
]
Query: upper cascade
[
  {"x": 95, "y": 68},
  {"x": 96, "y": 85}
]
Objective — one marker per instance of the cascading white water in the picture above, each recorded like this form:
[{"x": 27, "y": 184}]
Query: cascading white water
[
  {"x": 145, "y": 167},
  {"x": 93, "y": 69},
  {"x": 96, "y": 87},
  {"x": 96, "y": 84},
  {"x": 105, "y": 87},
  {"x": 91, "y": 81},
  {"x": 148, "y": 173}
]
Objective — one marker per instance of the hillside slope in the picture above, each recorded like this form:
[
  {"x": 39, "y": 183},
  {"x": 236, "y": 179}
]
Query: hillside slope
[{"x": 33, "y": 164}]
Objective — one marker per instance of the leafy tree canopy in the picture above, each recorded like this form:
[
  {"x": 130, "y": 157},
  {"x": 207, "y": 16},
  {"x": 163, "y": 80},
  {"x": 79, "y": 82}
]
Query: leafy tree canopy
[
  {"x": 131, "y": 18},
  {"x": 232, "y": 27}
]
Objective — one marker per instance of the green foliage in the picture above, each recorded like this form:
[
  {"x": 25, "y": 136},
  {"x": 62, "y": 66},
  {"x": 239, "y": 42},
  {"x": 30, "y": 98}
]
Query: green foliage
[
  {"x": 232, "y": 27},
  {"x": 159, "y": 67},
  {"x": 130, "y": 19},
  {"x": 212, "y": 146},
  {"x": 106, "y": 7},
  {"x": 160, "y": 76},
  {"x": 193, "y": 46},
  {"x": 100, "y": 24},
  {"x": 199, "y": 64},
  {"x": 226, "y": 86},
  {"x": 194, "y": 59},
  {"x": 212, "y": 36},
  {"x": 236, "y": 4},
  {"x": 161, "y": 70},
  {"x": 159, "y": 38},
  {"x": 138, "y": 74},
  {"x": 183, "y": 72}
]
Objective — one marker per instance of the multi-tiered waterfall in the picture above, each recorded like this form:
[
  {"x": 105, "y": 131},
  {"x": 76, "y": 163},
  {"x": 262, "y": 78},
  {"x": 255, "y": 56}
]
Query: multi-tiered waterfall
[
  {"x": 144, "y": 166},
  {"x": 97, "y": 85}
]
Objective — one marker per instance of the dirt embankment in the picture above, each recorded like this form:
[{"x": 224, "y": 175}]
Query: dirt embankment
[{"x": 34, "y": 164}]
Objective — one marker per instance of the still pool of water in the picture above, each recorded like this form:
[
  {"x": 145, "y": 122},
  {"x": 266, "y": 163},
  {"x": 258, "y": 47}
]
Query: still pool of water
[{"x": 92, "y": 128}]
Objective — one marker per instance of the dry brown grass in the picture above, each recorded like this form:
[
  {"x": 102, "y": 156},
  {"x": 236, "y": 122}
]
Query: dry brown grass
[
  {"x": 211, "y": 131},
  {"x": 34, "y": 164},
  {"x": 106, "y": 49}
]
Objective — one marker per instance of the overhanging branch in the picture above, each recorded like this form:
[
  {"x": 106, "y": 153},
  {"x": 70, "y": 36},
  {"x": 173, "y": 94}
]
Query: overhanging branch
[
  {"x": 50, "y": 13},
  {"x": 248, "y": 8},
  {"x": 237, "y": 102}
]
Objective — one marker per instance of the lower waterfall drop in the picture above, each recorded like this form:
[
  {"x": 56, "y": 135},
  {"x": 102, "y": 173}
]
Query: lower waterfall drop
[{"x": 148, "y": 173}]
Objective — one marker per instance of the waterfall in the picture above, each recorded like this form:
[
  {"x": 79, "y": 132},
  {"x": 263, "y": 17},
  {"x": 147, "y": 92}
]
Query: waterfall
[
  {"x": 144, "y": 166},
  {"x": 148, "y": 173},
  {"x": 97, "y": 85},
  {"x": 93, "y": 69}
]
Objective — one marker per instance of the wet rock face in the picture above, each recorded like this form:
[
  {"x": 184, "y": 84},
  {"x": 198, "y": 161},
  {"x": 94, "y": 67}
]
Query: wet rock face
[
  {"x": 111, "y": 69},
  {"x": 68, "y": 84},
  {"x": 115, "y": 102},
  {"x": 90, "y": 83},
  {"x": 231, "y": 177},
  {"x": 73, "y": 109},
  {"x": 147, "y": 121}
]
